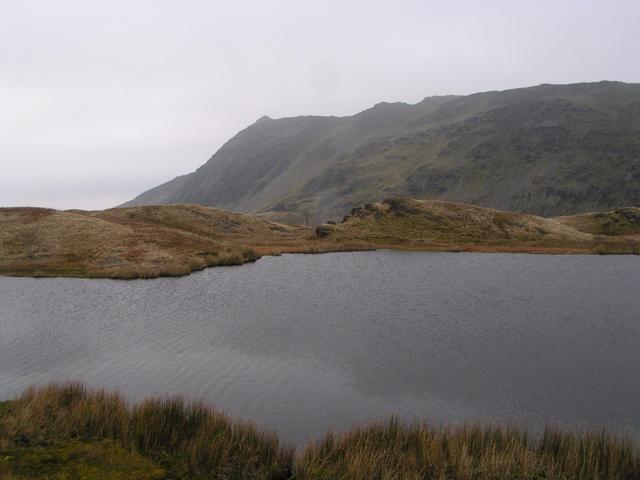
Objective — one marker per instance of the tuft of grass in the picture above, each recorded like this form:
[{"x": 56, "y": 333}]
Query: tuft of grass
[
  {"x": 249, "y": 255},
  {"x": 356, "y": 246},
  {"x": 190, "y": 439},
  {"x": 395, "y": 450}
]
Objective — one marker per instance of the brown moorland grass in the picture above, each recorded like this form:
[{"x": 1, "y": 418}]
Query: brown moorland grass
[
  {"x": 47, "y": 429},
  {"x": 433, "y": 225},
  {"x": 432, "y": 222},
  {"x": 145, "y": 242},
  {"x": 191, "y": 439},
  {"x": 395, "y": 450},
  {"x": 173, "y": 240},
  {"x": 621, "y": 221}
]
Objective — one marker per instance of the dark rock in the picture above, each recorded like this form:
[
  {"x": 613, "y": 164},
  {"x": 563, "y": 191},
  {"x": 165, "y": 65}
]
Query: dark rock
[
  {"x": 632, "y": 215},
  {"x": 324, "y": 230}
]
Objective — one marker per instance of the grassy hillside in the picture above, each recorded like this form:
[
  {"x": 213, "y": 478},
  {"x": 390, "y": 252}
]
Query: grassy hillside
[
  {"x": 622, "y": 221},
  {"x": 437, "y": 225},
  {"x": 432, "y": 221},
  {"x": 546, "y": 150},
  {"x": 145, "y": 242},
  {"x": 69, "y": 432},
  {"x": 132, "y": 242}
]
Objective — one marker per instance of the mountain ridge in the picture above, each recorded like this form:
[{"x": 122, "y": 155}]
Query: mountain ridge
[{"x": 546, "y": 150}]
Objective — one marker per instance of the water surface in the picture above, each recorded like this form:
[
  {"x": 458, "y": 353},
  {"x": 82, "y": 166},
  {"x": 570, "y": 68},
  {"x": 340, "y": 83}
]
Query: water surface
[{"x": 301, "y": 343}]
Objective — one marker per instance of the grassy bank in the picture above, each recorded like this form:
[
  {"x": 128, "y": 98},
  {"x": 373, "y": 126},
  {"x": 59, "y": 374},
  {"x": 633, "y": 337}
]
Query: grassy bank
[
  {"x": 67, "y": 431},
  {"x": 145, "y": 242},
  {"x": 174, "y": 240},
  {"x": 420, "y": 451},
  {"x": 180, "y": 439}
]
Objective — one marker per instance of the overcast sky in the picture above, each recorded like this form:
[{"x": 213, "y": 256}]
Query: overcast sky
[{"x": 101, "y": 100}]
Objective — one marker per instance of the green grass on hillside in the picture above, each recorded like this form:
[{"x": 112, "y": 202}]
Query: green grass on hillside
[
  {"x": 622, "y": 221},
  {"x": 75, "y": 460}
]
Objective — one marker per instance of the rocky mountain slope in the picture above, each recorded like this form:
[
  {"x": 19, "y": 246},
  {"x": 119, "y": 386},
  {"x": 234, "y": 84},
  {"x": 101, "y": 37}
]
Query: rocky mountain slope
[{"x": 546, "y": 150}]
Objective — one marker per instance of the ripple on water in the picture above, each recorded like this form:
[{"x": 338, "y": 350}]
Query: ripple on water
[{"x": 302, "y": 343}]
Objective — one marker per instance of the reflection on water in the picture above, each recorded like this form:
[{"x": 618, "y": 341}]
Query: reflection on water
[{"x": 301, "y": 343}]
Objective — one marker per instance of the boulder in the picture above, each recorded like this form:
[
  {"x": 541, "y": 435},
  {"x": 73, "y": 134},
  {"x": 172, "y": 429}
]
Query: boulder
[{"x": 324, "y": 230}]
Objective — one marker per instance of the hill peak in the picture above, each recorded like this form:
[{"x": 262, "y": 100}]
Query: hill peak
[{"x": 545, "y": 150}]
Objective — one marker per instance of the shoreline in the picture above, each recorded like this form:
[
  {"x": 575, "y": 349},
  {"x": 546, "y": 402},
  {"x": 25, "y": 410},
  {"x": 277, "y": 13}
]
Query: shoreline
[
  {"x": 315, "y": 249},
  {"x": 176, "y": 240}
]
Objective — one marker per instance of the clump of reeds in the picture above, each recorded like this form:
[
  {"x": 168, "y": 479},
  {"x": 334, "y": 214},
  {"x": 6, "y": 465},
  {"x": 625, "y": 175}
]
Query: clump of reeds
[
  {"x": 180, "y": 267},
  {"x": 394, "y": 450},
  {"x": 355, "y": 246},
  {"x": 191, "y": 437},
  {"x": 234, "y": 257}
]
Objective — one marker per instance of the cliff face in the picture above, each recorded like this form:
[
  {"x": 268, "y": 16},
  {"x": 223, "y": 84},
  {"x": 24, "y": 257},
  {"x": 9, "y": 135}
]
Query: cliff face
[{"x": 547, "y": 150}]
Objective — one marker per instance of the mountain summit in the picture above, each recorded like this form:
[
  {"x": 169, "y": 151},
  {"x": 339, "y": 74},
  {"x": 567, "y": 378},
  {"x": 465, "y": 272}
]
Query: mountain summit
[{"x": 545, "y": 150}]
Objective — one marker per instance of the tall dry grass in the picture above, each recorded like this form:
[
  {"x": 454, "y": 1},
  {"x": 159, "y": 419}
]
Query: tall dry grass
[
  {"x": 174, "y": 268},
  {"x": 190, "y": 436},
  {"x": 195, "y": 441},
  {"x": 395, "y": 450},
  {"x": 357, "y": 246}
]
